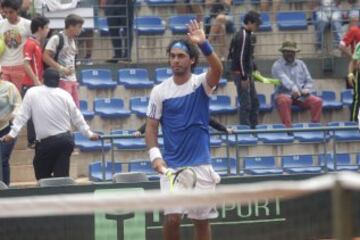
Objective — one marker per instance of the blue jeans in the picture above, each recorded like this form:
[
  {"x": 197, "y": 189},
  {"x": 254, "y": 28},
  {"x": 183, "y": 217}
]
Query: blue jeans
[
  {"x": 323, "y": 20},
  {"x": 6, "y": 149}
]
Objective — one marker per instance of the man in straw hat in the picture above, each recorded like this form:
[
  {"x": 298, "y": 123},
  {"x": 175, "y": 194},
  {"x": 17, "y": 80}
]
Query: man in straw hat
[
  {"x": 354, "y": 81},
  {"x": 296, "y": 85}
]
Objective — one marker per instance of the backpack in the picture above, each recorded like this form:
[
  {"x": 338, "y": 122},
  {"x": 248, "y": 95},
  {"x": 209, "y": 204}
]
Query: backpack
[{"x": 58, "y": 48}]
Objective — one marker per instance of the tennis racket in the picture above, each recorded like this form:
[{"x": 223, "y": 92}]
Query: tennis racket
[{"x": 183, "y": 178}]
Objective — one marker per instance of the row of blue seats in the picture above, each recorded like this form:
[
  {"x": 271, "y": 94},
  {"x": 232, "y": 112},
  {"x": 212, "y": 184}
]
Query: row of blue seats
[
  {"x": 112, "y": 108},
  {"x": 263, "y": 165},
  {"x": 154, "y": 25},
  {"x": 243, "y": 139},
  {"x": 133, "y": 78}
]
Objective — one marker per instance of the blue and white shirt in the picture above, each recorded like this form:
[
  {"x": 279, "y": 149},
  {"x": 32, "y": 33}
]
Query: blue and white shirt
[{"x": 183, "y": 111}]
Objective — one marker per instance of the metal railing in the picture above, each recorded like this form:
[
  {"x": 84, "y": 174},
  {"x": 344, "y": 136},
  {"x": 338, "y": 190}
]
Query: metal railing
[{"x": 329, "y": 134}]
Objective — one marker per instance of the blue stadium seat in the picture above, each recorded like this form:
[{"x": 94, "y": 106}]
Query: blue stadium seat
[
  {"x": 128, "y": 143},
  {"x": 85, "y": 145},
  {"x": 221, "y": 165},
  {"x": 215, "y": 141},
  {"x": 110, "y": 108},
  {"x": 274, "y": 138},
  {"x": 200, "y": 70},
  {"x": 143, "y": 166},
  {"x": 266, "y": 22},
  {"x": 138, "y": 105},
  {"x": 149, "y": 25},
  {"x": 162, "y": 74},
  {"x": 220, "y": 104},
  {"x": 102, "y": 25},
  {"x": 345, "y": 135},
  {"x": 135, "y": 78},
  {"x": 242, "y": 139},
  {"x": 309, "y": 136},
  {"x": 291, "y": 21},
  {"x": 97, "y": 79},
  {"x": 96, "y": 171},
  {"x": 85, "y": 110},
  {"x": 261, "y": 166},
  {"x": 299, "y": 164},
  {"x": 159, "y": 2},
  {"x": 329, "y": 101},
  {"x": 263, "y": 106},
  {"x": 238, "y": 2},
  {"x": 343, "y": 162},
  {"x": 347, "y": 97},
  {"x": 178, "y": 24}
]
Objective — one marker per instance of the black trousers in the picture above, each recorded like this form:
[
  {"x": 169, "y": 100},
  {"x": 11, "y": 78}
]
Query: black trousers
[
  {"x": 52, "y": 156},
  {"x": 30, "y": 125},
  {"x": 120, "y": 15},
  {"x": 249, "y": 103}
]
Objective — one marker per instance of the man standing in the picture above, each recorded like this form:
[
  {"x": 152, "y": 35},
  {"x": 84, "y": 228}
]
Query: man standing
[
  {"x": 181, "y": 105},
  {"x": 241, "y": 56},
  {"x": 53, "y": 111},
  {"x": 60, "y": 53},
  {"x": 15, "y": 30},
  {"x": 33, "y": 64},
  {"x": 354, "y": 81},
  {"x": 296, "y": 85}
]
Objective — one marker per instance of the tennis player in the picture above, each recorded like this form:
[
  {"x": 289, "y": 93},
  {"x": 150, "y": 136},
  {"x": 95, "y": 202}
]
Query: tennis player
[{"x": 181, "y": 105}]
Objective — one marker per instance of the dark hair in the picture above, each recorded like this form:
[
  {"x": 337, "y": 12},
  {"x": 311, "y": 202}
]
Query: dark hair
[
  {"x": 192, "y": 50},
  {"x": 13, "y": 4},
  {"x": 51, "y": 77},
  {"x": 73, "y": 20},
  {"x": 252, "y": 17},
  {"x": 38, "y": 22}
]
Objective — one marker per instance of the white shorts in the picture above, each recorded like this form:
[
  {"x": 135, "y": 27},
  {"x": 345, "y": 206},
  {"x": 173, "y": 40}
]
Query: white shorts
[{"x": 207, "y": 179}]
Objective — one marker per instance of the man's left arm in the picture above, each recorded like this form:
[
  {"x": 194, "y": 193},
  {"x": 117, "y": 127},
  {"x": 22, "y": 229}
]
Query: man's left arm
[
  {"x": 197, "y": 35},
  {"x": 309, "y": 82}
]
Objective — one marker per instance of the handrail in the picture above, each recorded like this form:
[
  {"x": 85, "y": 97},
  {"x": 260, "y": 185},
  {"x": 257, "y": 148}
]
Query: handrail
[{"x": 251, "y": 131}]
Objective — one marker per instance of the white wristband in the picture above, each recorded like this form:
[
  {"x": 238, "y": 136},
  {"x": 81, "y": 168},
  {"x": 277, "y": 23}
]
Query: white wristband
[{"x": 154, "y": 153}]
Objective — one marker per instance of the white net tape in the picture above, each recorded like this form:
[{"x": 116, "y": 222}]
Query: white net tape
[{"x": 73, "y": 204}]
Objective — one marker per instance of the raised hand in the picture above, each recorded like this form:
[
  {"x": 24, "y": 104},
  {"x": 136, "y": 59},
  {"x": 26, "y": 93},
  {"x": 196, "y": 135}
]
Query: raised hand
[{"x": 196, "y": 32}]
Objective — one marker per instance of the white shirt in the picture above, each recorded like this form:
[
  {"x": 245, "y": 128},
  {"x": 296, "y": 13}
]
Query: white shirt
[
  {"x": 14, "y": 36},
  {"x": 66, "y": 55},
  {"x": 52, "y": 110}
]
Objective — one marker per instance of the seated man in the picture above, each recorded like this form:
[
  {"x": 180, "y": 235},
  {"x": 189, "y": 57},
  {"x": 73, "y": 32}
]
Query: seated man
[{"x": 296, "y": 85}]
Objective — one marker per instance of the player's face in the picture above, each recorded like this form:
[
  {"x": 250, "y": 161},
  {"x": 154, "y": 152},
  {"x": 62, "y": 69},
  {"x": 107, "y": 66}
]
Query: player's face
[
  {"x": 289, "y": 56},
  {"x": 10, "y": 14},
  {"x": 180, "y": 62}
]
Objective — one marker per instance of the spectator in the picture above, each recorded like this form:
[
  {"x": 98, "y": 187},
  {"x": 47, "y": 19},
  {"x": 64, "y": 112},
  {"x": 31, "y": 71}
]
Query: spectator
[
  {"x": 328, "y": 14},
  {"x": 354, "y": 81},
  {"x": 220, "y": 24},
  {"x": 347, "y": 46},
  {"x": 53, "y": 111},
  {"x": 86, "y": 38},
  {"x": 265, "y": 6},
  {"x": 184, "y": 7},
  {"x": 241, "y": 56},
  {"x": 25, "y": 9},
  {"x": 65, "y": 62},
  {"x": 15, "y": 30},
  {"x": 120, "y": 17},
  {"x": 10, "y": 101},
  {"x": 212, "y": 122},
  {"x": 33, "y": 64},
  {"x": 296, "y": 85}
]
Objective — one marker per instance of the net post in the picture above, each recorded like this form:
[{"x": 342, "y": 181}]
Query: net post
[{"x": 342, "y": 212}]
